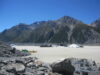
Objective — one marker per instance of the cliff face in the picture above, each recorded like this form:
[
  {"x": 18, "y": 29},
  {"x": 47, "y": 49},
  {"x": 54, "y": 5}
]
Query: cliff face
[{"x": 64, "y": 30}]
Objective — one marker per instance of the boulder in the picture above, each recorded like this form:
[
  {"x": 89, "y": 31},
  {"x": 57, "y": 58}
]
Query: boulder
[
  {"x": 15, "y": 67},
  {"x": 63, "y": 67}
]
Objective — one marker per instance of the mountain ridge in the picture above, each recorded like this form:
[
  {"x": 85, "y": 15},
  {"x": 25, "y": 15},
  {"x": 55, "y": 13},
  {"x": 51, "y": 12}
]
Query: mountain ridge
[{"x": 63, "y": 30}]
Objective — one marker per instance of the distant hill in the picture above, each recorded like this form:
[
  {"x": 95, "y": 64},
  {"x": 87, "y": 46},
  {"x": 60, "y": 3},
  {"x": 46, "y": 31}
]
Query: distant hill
[{"x": 64, "y": 30}]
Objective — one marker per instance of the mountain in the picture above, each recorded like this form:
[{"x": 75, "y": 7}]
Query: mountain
[
  {"x": 96, "y": 23},
  {"x": 16, "y": 33},
  {"x": 63, "y": 30}
]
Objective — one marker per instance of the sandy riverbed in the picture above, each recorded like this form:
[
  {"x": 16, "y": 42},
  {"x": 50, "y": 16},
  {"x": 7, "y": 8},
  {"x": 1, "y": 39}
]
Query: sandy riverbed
[{"x": 52, "y": 54}]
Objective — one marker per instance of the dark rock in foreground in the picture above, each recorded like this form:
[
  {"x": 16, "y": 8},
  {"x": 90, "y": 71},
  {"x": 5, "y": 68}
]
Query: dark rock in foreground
[
  {"x": 75, "y": 66},
  {"x": 25, "y": 66},
  {"x": 33, "y": 66},
  {"x": 63, "y": 67},
  {"x": 8, "y": 51}
]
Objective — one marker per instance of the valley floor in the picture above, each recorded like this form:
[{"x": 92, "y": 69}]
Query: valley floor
[{"x": 53, "y": 54}]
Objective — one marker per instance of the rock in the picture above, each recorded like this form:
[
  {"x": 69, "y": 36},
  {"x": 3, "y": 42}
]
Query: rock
[
  {"x": 55, "y": 74},
  {"x": 42, "y": 68},
  {"x": 63, "y": 67},
  {"x": 7, "y": 51},
  {"x": 28, "y": 73},
  {"x": 17, "y": 67},
  {"x": 29, "y": 70},
  {"x": 46, "y": 65},
  {"x": 38, "y": 63},
  {"x": 46, "y": 45},
  {"x": 24, "y": 66},
  {"x": 31, "y": 64},
  {"x": 3, "y": 72},
  {"x": 20, "y": 61},
  {"x": 40, "y": 72}
]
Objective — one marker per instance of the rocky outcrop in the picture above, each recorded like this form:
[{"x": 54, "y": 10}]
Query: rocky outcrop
[
  {"x": 33, "y": 66},
  {"x": 64, "y": 67},
  {"x": 7, "y": 51},
  {"x": 25, "y": 66},
  {"x": 76, "y": 66}
]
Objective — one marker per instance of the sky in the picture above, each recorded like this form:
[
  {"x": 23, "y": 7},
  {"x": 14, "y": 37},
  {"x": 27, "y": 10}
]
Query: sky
[{"x": 13, "y": 12}]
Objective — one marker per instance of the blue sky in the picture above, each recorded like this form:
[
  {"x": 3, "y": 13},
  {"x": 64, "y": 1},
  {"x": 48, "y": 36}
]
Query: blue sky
[{"x": 13, "y": 12}]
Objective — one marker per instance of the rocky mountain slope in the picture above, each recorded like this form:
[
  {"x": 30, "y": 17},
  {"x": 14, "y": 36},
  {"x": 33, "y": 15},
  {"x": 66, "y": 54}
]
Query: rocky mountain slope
[{"x": 64, "y": 30}]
